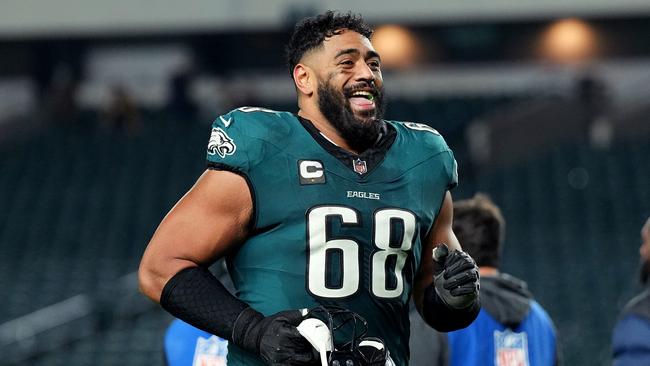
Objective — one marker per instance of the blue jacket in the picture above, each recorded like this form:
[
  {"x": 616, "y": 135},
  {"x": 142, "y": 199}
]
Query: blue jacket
[
  {"x": 511, "y": 329},
  {"x": 187, "y": 346},
  {"x": 631, "y": 338}
]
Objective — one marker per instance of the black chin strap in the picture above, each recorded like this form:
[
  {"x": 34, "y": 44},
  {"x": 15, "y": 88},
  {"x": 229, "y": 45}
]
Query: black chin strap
[{"x": 383, "y": 131}]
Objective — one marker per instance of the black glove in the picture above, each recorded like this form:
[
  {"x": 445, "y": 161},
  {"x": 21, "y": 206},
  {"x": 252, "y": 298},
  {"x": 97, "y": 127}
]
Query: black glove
[
  {"x": 274, "y": 338},
  {"x": 456, "y": 279}
]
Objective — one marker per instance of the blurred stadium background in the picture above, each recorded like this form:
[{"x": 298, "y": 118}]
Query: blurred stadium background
[{"x": 105, "y": 109}]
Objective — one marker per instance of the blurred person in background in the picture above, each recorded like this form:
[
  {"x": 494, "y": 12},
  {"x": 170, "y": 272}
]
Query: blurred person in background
[
  {"x": 329, "y": 206},
  {"x": 512, "y": 328},
  {"x": 186, "y": 345},
  {"x": 122, "y": 115},
  {"x": 593, "y": 96},
  {"x": 631, "y": 338},
  {"x": 180, "y": 102},
  {"x": 60, "y": 102}
]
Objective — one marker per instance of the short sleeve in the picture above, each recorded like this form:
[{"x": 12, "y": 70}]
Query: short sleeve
[
  {"x": 451, "y": 166},
  {"x": 228, "y": 147},
  {"x": 433, "y": 145}
]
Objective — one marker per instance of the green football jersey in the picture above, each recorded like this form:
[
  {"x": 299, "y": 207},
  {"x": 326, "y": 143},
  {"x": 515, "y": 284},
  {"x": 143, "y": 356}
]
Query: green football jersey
[{"x": 331, "y": 227}]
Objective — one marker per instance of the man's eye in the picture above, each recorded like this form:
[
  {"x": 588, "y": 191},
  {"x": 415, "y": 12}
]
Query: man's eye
[
  {"x": 374, "y": 64},
  {"x": 347, "y": 62}
]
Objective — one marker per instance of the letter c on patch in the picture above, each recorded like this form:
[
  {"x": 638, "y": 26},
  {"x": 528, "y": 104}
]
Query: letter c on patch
[{"x": 311, "y": 172}]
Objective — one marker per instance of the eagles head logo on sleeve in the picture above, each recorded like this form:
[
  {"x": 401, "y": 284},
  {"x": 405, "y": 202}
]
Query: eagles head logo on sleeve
[{"x": 220, "y": 143}]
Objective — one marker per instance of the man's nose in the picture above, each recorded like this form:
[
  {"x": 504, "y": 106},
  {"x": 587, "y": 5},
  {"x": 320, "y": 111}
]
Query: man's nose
[{"x": 364, "y": 73}]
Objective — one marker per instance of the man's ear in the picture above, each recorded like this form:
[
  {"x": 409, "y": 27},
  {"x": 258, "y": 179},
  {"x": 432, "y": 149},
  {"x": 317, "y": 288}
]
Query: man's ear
[{"x": 304, "y": 79}]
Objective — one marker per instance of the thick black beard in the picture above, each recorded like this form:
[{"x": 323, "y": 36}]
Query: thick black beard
[
  {"x": 644, "y": 272},
  {"x": 359, "y": 134}
]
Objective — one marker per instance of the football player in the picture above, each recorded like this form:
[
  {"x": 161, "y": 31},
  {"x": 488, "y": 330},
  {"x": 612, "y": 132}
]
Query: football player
[{"x": 332, "y": 205}]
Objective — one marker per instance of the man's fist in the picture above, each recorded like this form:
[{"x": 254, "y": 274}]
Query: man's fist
[
  {"x": 456, "y": 280},
  {"x": 274, "y": 338}
]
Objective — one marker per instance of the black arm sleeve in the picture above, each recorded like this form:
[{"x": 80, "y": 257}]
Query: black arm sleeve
[
  {"x": 195, "y": 296},
  {"x": 443, "y": 318}
]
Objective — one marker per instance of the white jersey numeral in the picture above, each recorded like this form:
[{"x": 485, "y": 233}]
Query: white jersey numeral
[
  {"x": 348, "y": 252},
  {"x": 320, "y": 247},
  {"x": 421, "y": 127},
  {"x": 383, "y": 226},
  {"x": 256, "y": 109}
]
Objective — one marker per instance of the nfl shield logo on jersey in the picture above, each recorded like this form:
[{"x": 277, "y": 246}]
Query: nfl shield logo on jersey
[
  {"x": 360, "y": 166},
  {"x": 510, "y": 348},
  {"x": 210, "y": 352}
]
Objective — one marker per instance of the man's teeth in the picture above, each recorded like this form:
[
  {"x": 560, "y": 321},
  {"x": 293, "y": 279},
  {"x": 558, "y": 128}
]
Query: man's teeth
[{"x": 364, "y": 94}]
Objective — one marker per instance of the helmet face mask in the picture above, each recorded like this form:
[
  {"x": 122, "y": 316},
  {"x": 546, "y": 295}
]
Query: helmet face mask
[
  {"x": 373, "y": 351},
  {"x": 350, "y": 346}
]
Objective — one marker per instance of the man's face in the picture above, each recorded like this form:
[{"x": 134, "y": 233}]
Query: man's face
[{"x": 350, "y": 87}]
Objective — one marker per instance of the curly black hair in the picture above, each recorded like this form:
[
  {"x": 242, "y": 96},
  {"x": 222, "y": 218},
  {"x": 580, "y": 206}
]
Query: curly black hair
[
  {"x": 310, "y": 33},
  {"x": 480, "y": 229}
]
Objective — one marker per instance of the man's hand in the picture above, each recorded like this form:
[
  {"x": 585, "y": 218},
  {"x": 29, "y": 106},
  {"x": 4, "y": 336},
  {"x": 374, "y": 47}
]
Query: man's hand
[
  {"x": 456, "y": 279},
  {"x": 274, "y": 338}
]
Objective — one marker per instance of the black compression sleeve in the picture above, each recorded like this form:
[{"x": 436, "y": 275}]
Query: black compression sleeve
[
  {"x": 195, "y": 296},
  {"x": 443, "y": 318}
]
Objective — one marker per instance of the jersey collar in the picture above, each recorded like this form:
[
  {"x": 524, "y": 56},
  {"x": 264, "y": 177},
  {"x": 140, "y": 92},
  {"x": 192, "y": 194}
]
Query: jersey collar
[{"x": 369, "y": 158}]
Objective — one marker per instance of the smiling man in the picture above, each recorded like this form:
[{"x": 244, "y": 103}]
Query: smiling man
[{"x": 330, "y": 206}]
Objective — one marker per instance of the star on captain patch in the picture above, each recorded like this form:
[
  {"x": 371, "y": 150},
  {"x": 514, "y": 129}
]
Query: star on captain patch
[{"x": 360, "y": 166}]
